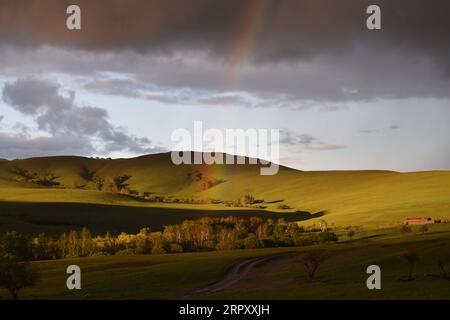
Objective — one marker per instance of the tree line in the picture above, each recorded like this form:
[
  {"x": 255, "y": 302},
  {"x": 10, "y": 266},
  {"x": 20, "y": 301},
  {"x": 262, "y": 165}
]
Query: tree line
[{"x": 204, "y": 234}]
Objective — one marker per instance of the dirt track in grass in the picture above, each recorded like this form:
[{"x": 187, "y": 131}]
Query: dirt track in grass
[{"x": 237, "y": 272}]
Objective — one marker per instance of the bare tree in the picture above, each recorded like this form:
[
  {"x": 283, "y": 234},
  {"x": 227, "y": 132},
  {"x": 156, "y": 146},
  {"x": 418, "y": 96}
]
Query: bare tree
[
  {"x": 411, "y": 257},
  {"x": 351, "y": 233},
  {"x": 313, "y": 259},
  {"x": 442, "y": 264},
  {"x": 423, "y": 228}
]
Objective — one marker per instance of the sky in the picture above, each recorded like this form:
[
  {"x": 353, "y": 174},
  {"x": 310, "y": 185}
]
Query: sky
[{"x": 343, "y": 97}]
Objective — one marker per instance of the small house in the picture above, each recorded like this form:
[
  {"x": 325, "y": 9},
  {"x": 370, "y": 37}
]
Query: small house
[{"x": 418, "y": 221}]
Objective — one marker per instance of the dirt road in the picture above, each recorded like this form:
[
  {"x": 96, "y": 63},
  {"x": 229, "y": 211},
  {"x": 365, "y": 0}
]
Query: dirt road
[{"x": 237, "y": 272}]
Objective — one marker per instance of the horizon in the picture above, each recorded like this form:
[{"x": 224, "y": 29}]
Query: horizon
[
  {"x": 343, "y": 97},
  {"x": 235, "y": 155}
]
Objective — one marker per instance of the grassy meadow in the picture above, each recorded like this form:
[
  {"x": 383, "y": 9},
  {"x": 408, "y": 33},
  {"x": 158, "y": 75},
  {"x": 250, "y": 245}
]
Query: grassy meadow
[
  {"x": 343, "y": 276},
  {"x": 362, "y": 198},
  {"x": 373, "y": 203}
]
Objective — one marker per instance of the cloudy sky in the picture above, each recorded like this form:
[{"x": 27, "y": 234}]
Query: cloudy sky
[{"x": 344, "y": 97}]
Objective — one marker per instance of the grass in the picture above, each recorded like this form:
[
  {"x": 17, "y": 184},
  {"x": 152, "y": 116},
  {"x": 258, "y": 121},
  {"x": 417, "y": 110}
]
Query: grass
[
  {"x": 364, "y": 198},
  {"x": 342, "y": 277},
  {"x": 371, "y": 202}
]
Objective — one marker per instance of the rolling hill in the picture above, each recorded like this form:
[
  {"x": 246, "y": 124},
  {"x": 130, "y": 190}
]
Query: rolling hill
[{"x": 356, "y": 198}]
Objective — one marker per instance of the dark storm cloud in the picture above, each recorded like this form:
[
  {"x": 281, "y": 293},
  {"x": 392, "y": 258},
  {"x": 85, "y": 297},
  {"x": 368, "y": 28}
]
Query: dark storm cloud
[
  {"x": 60, "y": 116},
  {"x": 303, "y": 49},
  {"x": 280, "y": 30}
]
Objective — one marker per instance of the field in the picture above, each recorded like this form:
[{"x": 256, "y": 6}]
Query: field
[
  {"x": 363, "y": 198},
  {"x": 343, "y": 276},
  {"x": 56, "y": 194}
]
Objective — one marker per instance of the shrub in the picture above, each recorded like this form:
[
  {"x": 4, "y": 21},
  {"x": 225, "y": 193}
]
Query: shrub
[
  {"x": 175, "y": 248},
  {"x": 251, "y": 242},
  {"x": 158, "y": 249},
  {"x": 423, "y": 228},
  {"x": 405, "y": 229},
  {"x": 301, "y": 241},
  {"x": 248, "y": 199},
  {"x": 125, "y": 252},
  {"x": 327, "y": 237}
]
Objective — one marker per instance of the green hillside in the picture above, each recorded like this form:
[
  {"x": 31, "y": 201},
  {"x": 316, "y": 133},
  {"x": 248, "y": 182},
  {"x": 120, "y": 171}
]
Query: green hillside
[
  {"x": 343, "y": 276},
  {"x": 370, "y": 198}
]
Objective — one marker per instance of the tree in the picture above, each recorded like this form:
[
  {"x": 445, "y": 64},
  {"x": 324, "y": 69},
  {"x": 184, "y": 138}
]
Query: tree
[
  {"x": 45, "y": 248},
  {"x": 323, "y": 225},
  {"x": 15, "y": 276},
  {"x": 411, "y": 257},
  {"x": 350, "y": 233},
  {"x": 73, "y": 247},
  {"x": 251, "y": 242},
  {"x": 248, "y": 199},
  {"x": 14, "y": 245},
  {"x": 442, "y": 263},
  {"x": 143, "y": 241},
  {"x": 423, "y": 228},
  {"x": 405, "y": 229},
  {"x": 63, "y": 245},
  {"x": 119, "y": 182},
  {"x": 313, "y": 259},
  {"x": 86, "y": 244}
]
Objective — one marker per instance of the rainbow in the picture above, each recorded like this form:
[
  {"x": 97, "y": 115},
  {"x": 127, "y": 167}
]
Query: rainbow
[{"x": 253, "y": 22}]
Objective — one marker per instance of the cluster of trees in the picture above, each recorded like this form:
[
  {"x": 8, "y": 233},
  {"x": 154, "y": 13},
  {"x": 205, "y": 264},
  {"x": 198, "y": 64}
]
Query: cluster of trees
[
  {"x": 204, "y": 181},
  {"x": 412, "y": 257},
  {"x": 119, "y": 184},
  {"x": 44, "y": 179},
  {"x": 407, "y": 229},
  {"x": 246, "y": 201},
  {"x": 205, "y": 234}
]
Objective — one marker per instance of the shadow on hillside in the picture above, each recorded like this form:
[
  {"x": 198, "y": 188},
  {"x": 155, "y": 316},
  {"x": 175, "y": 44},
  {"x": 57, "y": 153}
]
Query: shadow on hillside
[
  {"x": 274, "y": 201},
  {"x": 55, "y": 218},
  {"x": 374, "y": 236},
  {"x": 306, "y": 215}
]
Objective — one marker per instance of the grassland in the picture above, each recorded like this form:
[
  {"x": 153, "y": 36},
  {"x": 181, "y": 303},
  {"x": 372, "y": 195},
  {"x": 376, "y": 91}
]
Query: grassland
[
  {"x": 373, "y": 202},
  {"x": 342, "y": 277},
  {"x": 373, "y": 199}
]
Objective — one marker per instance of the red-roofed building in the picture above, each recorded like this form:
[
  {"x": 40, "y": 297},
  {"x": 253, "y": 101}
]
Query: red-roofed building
[{"x": 415, "y": 221}]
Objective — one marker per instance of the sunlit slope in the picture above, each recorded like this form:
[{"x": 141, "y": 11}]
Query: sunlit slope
[
  {"x": 351, "y": 197},
  {"x": 348, "y": 197}
]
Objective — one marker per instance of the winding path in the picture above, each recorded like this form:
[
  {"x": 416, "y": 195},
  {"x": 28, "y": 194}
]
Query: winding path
[{"x": 237, "y": 272}]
